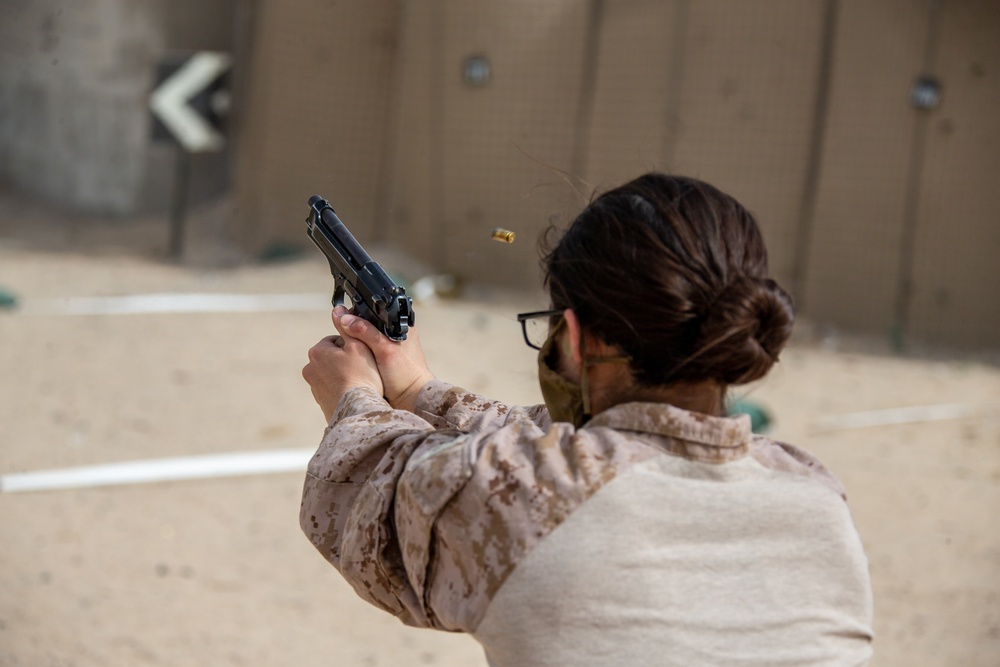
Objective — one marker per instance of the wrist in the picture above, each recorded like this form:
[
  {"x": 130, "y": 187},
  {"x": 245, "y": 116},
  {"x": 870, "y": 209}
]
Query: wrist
[{"x": 407, "y": 399}]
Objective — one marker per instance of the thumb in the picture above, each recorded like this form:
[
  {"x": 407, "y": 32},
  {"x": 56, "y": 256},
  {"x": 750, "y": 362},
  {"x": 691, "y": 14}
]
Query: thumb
[{"x": 356, "y": 327}]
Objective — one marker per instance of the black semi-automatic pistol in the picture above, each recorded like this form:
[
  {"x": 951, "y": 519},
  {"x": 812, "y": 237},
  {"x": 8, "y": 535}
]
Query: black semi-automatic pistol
[{"x": 372, "y": 292}]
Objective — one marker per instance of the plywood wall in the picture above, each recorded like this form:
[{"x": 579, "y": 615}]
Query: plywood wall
[{"x": 880, "y": 216}]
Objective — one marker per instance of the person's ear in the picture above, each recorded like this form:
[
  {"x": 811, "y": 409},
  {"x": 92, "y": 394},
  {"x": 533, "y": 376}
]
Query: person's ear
[{"x": 573, "y": 332}]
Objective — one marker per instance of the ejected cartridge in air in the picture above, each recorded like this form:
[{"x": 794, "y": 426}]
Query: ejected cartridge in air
[{"x": 502, "y": 235}]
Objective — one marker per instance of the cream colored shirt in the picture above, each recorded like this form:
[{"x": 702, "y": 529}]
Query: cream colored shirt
[{"x": 651, "y": 536}]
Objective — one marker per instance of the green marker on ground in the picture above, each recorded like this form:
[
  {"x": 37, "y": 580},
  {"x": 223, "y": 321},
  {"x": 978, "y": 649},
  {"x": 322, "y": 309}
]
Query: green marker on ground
[{"x": 7, "y": 299}]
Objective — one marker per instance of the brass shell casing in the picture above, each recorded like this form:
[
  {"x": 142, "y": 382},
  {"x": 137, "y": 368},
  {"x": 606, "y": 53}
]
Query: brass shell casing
[{"x": 502, "y": 235}]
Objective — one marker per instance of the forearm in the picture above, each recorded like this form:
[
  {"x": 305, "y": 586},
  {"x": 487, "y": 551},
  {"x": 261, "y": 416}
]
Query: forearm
[
  {"x": 365, "y": 435},
  {"x": 446, "y": 406},
  {"x": 348, "y": 496}
]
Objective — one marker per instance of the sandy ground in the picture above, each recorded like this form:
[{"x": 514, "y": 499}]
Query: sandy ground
[{"x": 216, "y": 572}]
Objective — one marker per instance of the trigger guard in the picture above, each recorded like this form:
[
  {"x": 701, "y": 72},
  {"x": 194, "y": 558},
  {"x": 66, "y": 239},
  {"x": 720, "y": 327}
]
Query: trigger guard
[{"x": 338, "y": 296}]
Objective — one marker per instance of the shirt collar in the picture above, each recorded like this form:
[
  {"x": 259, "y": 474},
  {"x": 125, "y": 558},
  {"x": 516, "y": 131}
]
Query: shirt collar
[{"x": 689, "y": 434}]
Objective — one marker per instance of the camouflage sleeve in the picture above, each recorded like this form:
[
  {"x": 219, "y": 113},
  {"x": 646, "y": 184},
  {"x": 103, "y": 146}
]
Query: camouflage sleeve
[
  {"x": 348, "y": 496},
  {"x": 379, "y": 533},
  {"x": 447, "y": 406}
]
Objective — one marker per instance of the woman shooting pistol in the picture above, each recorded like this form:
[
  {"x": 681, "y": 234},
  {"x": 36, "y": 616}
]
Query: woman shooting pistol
[{"x": 627, "y": 521}]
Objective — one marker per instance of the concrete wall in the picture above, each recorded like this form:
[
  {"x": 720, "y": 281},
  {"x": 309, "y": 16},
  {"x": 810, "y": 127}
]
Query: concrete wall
[{"x": 75, "y": 76}]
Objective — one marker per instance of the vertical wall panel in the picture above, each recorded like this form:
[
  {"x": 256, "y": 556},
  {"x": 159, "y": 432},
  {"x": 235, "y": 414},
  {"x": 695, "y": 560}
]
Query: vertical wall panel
[
  {"x": 315, "y": 116},
  {"x": 489, "y": 144},
  {"x": 414, "y": 183},
  {"x": 497, "y": 138},
  {"x": 632, "y": 90},
  {"x": 957, "y": 251},
  {"x": 853, "y": 263},
  {"x": 747, "y": 106},
  {"x": 471, "y": 158}
]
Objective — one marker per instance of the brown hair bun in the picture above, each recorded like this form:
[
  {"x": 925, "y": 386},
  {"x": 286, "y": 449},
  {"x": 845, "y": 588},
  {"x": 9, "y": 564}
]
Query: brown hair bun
[{"x": 744, "y": 331}]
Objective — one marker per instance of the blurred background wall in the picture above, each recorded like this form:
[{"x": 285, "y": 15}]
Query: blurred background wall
[
  {"x": 429, "y": 122},
  {"x": 75, "y": 78}
]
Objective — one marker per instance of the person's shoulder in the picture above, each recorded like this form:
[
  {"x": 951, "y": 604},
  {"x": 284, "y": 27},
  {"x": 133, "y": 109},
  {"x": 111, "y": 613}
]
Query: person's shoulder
[
  {"x": 470, "y": 507},
  {"x": 784, "y": 457}
]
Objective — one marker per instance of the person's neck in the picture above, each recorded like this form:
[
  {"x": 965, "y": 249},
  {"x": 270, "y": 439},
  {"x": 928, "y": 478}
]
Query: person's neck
[
  {"x": 706, "y": 397},
  {"x": 612, "y": 383}
]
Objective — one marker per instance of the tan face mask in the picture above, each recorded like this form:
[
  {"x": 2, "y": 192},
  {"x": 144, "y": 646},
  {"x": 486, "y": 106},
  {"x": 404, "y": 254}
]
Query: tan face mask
[{"x": 567, "y": 401}]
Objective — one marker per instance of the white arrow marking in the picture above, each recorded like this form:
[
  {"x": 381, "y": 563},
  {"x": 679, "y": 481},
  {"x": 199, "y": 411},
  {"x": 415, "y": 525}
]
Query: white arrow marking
[{"x": 170, "y": 101}]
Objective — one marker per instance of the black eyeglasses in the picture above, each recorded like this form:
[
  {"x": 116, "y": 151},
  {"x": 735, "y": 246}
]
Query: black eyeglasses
[{"x": 536, "y": 325}]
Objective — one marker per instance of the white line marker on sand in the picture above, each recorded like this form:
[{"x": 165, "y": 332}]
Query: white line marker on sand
[
  {"x": 890, "y": 416},
  {"x": 160, "y": 470},
  {"x": 174, "y": 303}
]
